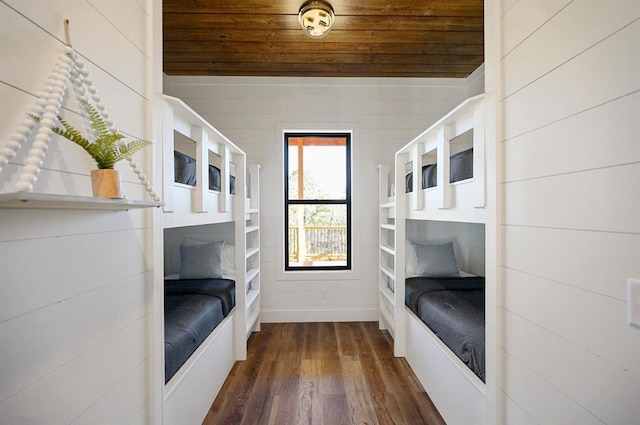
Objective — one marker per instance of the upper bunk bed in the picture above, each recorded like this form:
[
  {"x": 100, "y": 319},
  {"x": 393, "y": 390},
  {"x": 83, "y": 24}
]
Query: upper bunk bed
[
  {"x": 448, "y": 159},
  {"x": 203, "y": 171}
]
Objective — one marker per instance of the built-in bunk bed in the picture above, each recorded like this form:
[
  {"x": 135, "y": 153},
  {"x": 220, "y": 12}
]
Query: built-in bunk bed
[
  {"x": 211, "y": 260},
  {"x": 432, "y": 260}
]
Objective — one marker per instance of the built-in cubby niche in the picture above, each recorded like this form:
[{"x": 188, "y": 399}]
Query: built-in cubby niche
[
  {"x": 461, "y": 157},
  {"x": 430, "y": 169}
]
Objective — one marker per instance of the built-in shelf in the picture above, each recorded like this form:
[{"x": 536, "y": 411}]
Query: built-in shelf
[
  {"x": 252, "y": 274},
  {"x": 253, "y": 211},
  {"x": 252, "y": 296},
  {"x": 252, "y": 251},
  {"x": 252, "y": 229},
  {"x": 252, "y": 320},
  {"x": 388, "y": 317},
  {"x": 386, "y": 292},
  {"x": 28, "y": 200},
  {"x": 388, "y": 205},
  {"x": 388, "y": 226},
  {"x": 388, "y": 249},
  {"x": 386, "y": 270}
]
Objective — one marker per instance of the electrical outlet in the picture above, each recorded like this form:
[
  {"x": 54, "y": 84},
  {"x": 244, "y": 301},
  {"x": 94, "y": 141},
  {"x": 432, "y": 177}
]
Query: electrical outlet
[{"x": 633, "y": 302}]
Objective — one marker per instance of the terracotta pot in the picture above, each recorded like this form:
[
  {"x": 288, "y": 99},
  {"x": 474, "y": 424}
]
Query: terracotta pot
[{"x": 106, "y": 184}]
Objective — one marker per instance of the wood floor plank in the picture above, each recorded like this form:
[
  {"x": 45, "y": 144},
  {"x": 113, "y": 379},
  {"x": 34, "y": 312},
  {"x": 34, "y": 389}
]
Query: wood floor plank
[
  {"x": 309, "y": 399},
  {"x": 322, "y": 374}
]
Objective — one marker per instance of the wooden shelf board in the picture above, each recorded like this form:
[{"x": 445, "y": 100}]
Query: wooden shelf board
[
  {"x": 388, "y": 249},
  {"x": 251, "y": 274},
  {"x": 252, "y": 229},
  {"x": 388, "y": 317},
  {"x": 386, "y": 292},
  {"x": 387, "y": 271},
  {"x": 28, "y": 200},
  {"x": 252, "y": 296},
  {"x": 252, "y": 251}
]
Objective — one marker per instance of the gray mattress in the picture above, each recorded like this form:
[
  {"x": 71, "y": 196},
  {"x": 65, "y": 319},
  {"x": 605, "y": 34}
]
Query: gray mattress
[
  {"x": 453, "y": 308},
  {"x": 193, "y": 309}
]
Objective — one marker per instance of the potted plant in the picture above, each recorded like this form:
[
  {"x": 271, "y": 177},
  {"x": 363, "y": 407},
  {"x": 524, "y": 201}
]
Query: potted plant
[{"x": 106, "y": 149}]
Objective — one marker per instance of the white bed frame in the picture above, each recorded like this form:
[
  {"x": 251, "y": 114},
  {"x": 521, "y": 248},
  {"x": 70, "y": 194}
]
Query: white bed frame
[
  {"x": 458, "y": 394},
  {"x": 190, "y": 393}
]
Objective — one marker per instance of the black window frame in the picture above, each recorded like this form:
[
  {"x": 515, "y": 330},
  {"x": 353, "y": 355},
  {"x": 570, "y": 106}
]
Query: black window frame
[{"x": 346, "y": 201}]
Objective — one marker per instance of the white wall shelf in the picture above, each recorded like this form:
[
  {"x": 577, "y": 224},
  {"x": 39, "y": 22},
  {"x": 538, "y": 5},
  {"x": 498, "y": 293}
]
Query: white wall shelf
[{"x": 29, "y": 200}]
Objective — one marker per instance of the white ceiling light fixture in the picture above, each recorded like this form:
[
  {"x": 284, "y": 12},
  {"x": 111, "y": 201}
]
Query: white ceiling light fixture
[{"x": 316, "y": 18}]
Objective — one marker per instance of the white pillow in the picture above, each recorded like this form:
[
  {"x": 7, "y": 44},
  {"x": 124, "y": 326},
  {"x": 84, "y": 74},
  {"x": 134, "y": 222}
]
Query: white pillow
[{"x": 228, "y": 256}]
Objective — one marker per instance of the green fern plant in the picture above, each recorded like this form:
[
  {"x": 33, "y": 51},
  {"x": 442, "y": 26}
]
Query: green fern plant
[{"x": 106, "y": 150}]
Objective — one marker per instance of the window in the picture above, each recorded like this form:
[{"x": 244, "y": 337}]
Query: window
[{"x": 317, "y": 201}]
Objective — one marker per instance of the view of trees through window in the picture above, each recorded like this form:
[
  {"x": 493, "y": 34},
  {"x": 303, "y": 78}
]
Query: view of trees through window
[{"x": 318, "y": 201}]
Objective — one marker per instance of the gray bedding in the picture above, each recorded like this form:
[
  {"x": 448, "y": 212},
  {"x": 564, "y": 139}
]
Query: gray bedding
[
  {"x": 453, "y": 308},
  {"x": 460, "y": 168},
  {"x": 193, "y": 309},
  {"x": 184, "y": 168}
]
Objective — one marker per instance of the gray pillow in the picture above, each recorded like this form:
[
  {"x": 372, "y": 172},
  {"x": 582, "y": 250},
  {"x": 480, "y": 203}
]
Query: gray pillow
[
  {"x": 436, "y": 260},
  {"x": 201, "y": 261}
]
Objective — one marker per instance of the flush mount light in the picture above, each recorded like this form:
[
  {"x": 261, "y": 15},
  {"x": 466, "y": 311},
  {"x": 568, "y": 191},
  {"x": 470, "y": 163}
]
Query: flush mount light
[{"x": 316, "y": 18}]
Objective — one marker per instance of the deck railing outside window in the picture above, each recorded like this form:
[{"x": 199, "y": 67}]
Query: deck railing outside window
[{"x": 322, "y": 243}]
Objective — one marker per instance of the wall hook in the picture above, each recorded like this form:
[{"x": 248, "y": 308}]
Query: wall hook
[{"x": 67, "y": 32}]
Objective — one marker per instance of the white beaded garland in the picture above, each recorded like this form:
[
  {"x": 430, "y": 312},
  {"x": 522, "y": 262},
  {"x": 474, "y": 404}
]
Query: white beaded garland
[
  {"x": 39, "y": 152},
  {"x": 31, "y": 166},
  {"x": 37, "y": 110},
  {"x": 18, "y": 137},
  {"x": 47, "y": 122},
  {"x": 34, "y": 161},
  {"x": 42, "y": 145},
  {"x": 6, "y": 153},
  {"x": 24, "y": 186},
  {"x": 69, "y": 68},
  {"x": 28, "y": 177},
  {"x": 23, "y": 130},
  {"x": 15, "y": 144}
]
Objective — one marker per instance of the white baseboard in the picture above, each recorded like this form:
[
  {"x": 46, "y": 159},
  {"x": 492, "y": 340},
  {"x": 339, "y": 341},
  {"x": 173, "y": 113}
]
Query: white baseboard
[{"x": 319, "y": 315}]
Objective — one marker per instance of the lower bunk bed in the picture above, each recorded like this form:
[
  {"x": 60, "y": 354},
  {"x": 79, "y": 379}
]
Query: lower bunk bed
[
  {"x": 445, "y": 344},
  {"x": 199, "y": 332},
  {"x": 199, "y": 325}
]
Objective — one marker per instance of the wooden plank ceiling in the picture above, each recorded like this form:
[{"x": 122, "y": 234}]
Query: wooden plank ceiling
[{"x": 370, "y": 38}]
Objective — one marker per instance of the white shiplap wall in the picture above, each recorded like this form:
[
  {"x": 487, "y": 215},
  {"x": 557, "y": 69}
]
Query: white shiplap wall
[
  {"x": 571, "y": 226},
  {"x": 385, "y": 113},
  {"x": 75, "y": 286}
]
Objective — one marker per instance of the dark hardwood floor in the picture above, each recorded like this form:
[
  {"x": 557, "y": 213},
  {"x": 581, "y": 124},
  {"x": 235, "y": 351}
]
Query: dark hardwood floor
[{"x": 322, "y": 373}]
